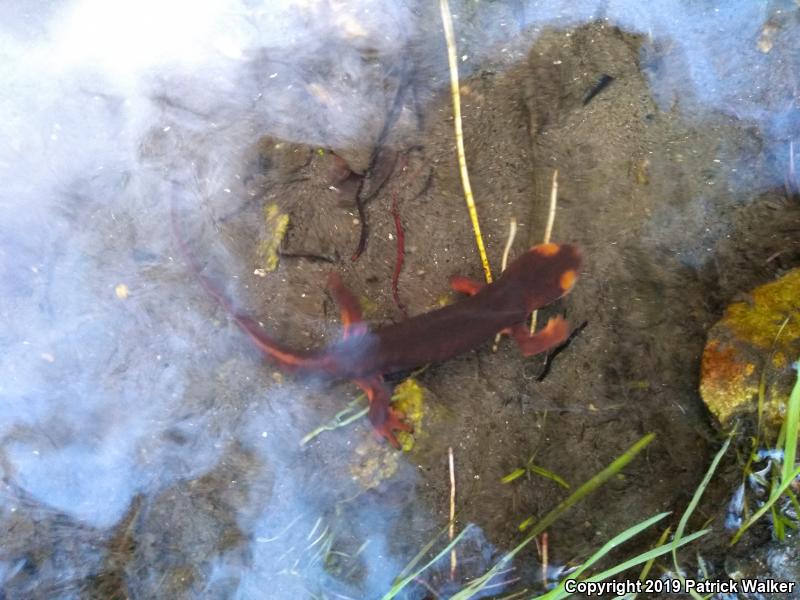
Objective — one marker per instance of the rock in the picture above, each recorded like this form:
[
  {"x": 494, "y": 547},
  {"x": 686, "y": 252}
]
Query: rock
[{"x": 752, "y": 348}]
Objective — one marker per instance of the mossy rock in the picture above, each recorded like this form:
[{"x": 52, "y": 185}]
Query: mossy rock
[{"x": 753, "y": 347}]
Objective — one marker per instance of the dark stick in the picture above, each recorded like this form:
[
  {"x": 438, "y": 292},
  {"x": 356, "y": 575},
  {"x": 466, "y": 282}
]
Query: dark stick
[
  {"x": 598, "y": 87},
  {"x": 401, "y": 254},
  {"x": 391, "y": 118},
  {"x": 548, "y": 359}
]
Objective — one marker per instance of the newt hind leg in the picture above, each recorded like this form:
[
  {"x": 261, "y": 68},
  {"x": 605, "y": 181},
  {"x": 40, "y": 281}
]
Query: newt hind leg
[{"x": 385, "y": 419}]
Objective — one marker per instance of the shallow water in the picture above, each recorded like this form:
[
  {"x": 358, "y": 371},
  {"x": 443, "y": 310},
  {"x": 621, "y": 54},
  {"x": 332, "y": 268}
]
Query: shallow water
[{"x": 147, "y": 449}]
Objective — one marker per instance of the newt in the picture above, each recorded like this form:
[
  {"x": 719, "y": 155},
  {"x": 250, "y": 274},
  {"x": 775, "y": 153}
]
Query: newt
[{"x": 535, "y": 279}]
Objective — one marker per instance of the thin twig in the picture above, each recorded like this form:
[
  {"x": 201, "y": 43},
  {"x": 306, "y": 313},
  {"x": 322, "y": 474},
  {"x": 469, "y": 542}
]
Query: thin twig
[
  {"x": 447, "y": 21},
  {"x": 452, "y": 530},
  {"x": 551, "y": 216},
  {"x": 512, "y": 233},
  {"x": 551, "y": 219},
  {"x": 545, "y": 558}
]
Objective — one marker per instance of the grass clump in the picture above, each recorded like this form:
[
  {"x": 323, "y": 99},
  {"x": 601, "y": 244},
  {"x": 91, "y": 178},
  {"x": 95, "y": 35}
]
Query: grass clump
[
  {"x": 789, "y": 471},
  {"x": 531, "y": 468},
  {"x": 479, "y": 584},
  {"x": 560, "y": 591}
]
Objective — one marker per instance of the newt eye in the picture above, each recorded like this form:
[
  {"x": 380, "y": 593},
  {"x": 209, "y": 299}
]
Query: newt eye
[
  {"x": 567, "y": 280},
  {"x": 549, "y": 249}
]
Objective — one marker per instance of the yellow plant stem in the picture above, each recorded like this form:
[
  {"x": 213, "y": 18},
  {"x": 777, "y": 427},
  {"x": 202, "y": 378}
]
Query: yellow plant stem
[{"x": 447, "y": 21}]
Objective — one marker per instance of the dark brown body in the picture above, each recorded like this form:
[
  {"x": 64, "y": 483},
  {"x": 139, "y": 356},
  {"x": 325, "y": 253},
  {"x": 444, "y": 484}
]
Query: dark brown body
[{"x": 531, "y": 282}]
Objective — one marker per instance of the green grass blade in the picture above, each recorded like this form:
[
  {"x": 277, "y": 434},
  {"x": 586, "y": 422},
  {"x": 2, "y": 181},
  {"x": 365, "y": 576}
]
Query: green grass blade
[
  {"x": 616, "y": 541},
  {"x": 698, "y": 493},
  {"x": 792, "y": 422},
  {"x": 645, "y": 556},
  {"x": 398, "y": 587},
  {"x": 648, "y": 566},
  {"x": 515, "y": 474},
  {"x": 592, "y": 484},
  {"x": 773, "y": 497},
  {"x": 413, "y": 562},
  {"x": 793, "y": 498},
  {"x": 650, "y": 555},
  {"x": 541, "y": 471},
  {"x": 777, "y": 524},
  {"x": 537, "y": 470}
]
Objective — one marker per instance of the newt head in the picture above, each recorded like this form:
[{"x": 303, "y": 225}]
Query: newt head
[{"x": 545, "y": 273}]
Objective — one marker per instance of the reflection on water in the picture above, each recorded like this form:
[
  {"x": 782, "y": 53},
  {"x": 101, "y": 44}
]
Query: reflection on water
[{"x": 145, "y": 449}]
